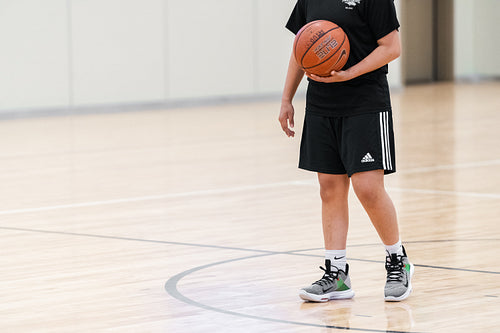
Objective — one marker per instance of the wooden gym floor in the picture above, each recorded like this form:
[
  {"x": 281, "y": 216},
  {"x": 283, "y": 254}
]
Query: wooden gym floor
[{"x": 198, "y": 220}]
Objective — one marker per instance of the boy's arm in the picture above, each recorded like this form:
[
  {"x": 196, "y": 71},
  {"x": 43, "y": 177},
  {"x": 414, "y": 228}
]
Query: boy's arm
[
  {"x": 388, "y": 49},
  {"x": 293, "y": 77}
]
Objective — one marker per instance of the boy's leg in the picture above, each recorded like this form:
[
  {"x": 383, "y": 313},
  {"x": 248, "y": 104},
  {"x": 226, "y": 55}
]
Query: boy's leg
[
  {"x": 335, "y": 283},
  {"x": 370, "y": 189},
  {"x": 334, "y": 191}
]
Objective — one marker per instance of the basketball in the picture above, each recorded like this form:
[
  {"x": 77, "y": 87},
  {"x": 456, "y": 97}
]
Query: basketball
[{"x": 321, "y": 47}]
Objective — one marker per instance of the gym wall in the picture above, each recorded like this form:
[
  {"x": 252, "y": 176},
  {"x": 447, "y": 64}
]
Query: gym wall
[
  {"x": 60, "y": 54},
  {"x": 476, "y": 39}
]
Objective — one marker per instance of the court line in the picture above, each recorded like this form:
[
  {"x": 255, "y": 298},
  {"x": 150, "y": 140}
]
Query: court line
[
  {"x": 153, "y": 197},
  {"x": 441, "y": 192},
  {"x": 171, "y": 284},
  {"x": 469, "y": 165},
  {"x": 414, "y": 242},
  {"x": 172, "y": 290},
  {"x": 265, "y": 252},
  {"x": 228, "y": 191},
  {"x": 65, "y": 233},
  {"x": 296, "y": 253}
]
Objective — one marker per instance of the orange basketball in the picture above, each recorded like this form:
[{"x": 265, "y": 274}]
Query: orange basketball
[{"x": 321, "y": 47}]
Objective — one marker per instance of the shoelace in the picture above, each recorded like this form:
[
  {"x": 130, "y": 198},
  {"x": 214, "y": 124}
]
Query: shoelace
[
  {"x": 328, "y": 278},
  {"x": 395, "y": 268}
]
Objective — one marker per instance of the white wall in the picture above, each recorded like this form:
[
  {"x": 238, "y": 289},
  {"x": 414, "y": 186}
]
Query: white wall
[
  {"x": 117, "y": 51},
  {"x": 487, "y": 37},
  {"x": 476, "y": 38},
  {"x": 61, "y": 53},
  {"x": 275, "y": 44},
  {"x": 210, "y": 48},
  {"x": 34, "y": 54},
  {"x": 395, "y": 76}
]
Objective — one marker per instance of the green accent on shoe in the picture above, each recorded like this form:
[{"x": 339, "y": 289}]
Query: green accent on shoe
[
  {"x": 335, "y": 284},
  {"x": 341, "y": 286},
  {"x": 399, "y": 273}
]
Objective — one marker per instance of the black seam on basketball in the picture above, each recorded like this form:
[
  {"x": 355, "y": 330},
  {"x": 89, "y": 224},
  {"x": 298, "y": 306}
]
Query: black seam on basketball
[
  {"x": 303, "y": 56},
  {"x": 297, "y": 38},
  {"x": 340, "y": 47}
]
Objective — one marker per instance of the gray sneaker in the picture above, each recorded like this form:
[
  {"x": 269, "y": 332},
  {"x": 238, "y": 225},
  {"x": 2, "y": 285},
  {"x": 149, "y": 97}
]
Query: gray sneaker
[
  {"x": 399, "y": 273},
  {"x": 335, "y": 284}
]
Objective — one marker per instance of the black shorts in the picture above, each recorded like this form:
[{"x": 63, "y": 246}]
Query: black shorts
[{"x": 347, "y": 145}]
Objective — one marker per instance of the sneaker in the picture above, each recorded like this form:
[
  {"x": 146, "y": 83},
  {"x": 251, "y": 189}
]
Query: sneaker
[
  {"x": 335, "y": 284},
  {"x": 399, "y": 273}
]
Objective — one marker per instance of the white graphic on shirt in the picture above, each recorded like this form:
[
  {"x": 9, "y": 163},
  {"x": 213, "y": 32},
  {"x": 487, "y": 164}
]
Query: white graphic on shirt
[{"x": 352, "y": 3}]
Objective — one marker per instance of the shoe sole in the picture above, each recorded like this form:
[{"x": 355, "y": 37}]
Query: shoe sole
[
  {"x": 326, "y": 297},
  {"x": 408, "y": 291}
]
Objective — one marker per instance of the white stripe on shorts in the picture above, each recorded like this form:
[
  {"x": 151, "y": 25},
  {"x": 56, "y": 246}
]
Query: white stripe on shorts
[{"x": 385, "y": 140}]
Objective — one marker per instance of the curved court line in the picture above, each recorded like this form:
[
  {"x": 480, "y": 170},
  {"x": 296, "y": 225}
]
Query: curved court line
[
  {"x": 171, "y": 288},
  {"x": 171, "y": 284}
]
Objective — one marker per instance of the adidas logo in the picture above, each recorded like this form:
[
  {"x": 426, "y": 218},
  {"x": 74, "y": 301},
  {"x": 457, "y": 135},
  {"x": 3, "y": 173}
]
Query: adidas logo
[{"x": 368, "y": 158}]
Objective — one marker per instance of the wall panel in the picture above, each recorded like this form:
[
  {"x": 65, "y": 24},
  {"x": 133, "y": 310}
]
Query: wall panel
[
  {"x": 118, "y": 53},
  {"x": 487, "y": 37},
  {"x": 464, "y": 38},
  {"x": 274, "y": 44},
  {"x": 210, "y": 48},
  {"x": 33, "y": 56},
  {"x": 476, "y": 35}
]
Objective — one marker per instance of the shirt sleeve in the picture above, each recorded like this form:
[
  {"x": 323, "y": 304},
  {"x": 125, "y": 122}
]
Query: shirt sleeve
[
  {"x": 381, "y": 17},
  {"x": 298, "y": 17}
]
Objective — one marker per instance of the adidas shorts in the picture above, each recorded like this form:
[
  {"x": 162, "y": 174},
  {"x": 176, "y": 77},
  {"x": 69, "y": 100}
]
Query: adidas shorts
[{"x": 347, "y": 145}]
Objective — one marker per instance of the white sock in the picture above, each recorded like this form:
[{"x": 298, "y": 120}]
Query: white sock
[
  {"x": 337, "y": 258},
  {"x": 396, "y": 248}
]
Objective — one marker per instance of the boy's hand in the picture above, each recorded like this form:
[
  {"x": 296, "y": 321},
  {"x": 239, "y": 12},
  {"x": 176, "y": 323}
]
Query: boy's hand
[
  {"x": 339, "y": 76},
  {"x": 286, "y": 118}
]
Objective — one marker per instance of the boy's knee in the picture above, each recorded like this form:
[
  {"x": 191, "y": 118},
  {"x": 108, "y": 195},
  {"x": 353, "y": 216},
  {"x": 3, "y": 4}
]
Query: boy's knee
[
  {"x": 332, "y": 188},
  {"x": 368, "y": 188},
  {"x": 366, "y": 194}
]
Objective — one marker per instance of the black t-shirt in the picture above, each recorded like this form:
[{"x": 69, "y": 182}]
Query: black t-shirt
[{"x": 364, "y": 22}]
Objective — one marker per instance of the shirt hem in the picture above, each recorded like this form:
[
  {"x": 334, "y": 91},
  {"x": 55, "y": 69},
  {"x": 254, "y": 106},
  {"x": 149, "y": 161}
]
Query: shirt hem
[{"x": 344, "y": 113}]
